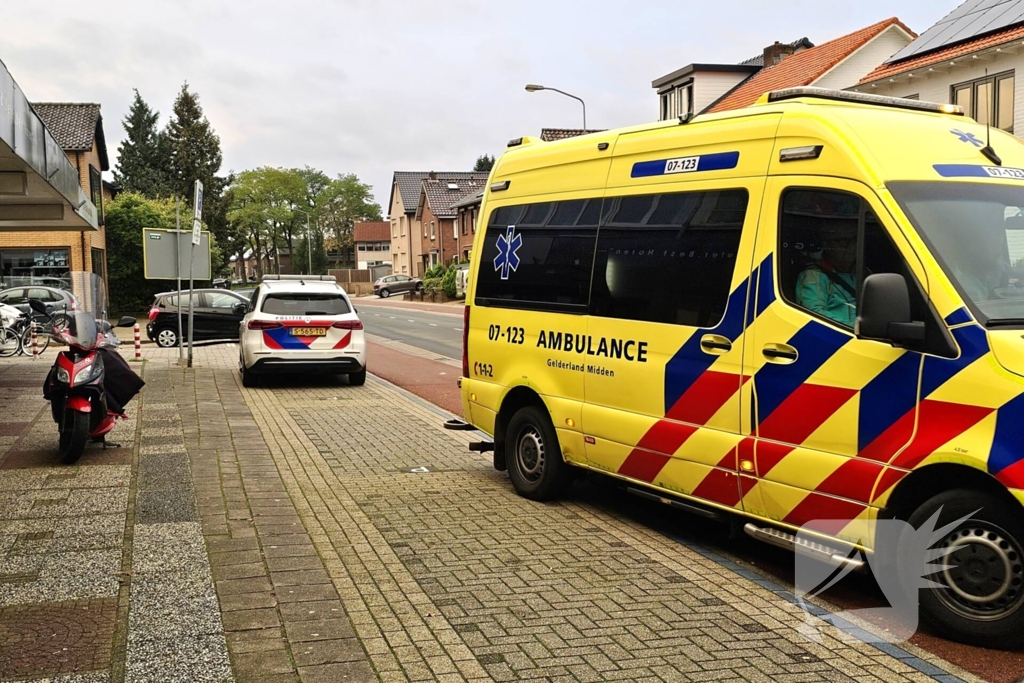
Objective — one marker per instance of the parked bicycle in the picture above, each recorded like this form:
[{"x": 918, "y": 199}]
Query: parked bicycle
[
  {"x": 10, "y": 340},
  {"x": 46, "y": 322}
]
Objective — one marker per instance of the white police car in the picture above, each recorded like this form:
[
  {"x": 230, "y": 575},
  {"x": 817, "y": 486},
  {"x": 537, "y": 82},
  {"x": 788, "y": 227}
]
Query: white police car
[{"x": 299, "y": 324}]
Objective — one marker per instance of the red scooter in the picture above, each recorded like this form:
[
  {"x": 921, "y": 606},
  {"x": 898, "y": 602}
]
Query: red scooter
[{"x": 89, "y": 383}]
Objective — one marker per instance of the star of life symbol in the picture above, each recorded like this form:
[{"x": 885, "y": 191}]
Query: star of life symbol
[
  {"x": 507, "y": 258},
  {"x": 968, "y": 137},
  {"x": 904, "y": 560}
]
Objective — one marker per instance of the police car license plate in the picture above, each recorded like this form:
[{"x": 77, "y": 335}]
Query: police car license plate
[{"x": 309, "y": 331}]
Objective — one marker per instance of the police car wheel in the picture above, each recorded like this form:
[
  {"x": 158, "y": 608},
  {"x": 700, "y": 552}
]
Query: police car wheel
[
  {"x": 535, "y": 463},
  {"x": 981, "y": 600},
  {"x": 250, "y": 379}
]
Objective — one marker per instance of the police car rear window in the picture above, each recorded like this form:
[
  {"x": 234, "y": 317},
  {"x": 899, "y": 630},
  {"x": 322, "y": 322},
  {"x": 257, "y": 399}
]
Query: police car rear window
[{"x": 305, "y": 304}]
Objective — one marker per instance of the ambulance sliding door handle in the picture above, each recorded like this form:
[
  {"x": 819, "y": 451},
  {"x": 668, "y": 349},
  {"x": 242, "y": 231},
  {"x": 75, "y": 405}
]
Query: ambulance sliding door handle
[
  {"x": 783, "y": 354},
  {"x": 715, "y": 344}
]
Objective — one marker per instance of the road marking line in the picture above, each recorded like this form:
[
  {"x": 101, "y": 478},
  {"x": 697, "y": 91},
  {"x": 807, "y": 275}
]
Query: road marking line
[
  {"x": 457, "y": 329},
  {"x": 411, "y": 320},
  {"x": 433, "y": 324}
]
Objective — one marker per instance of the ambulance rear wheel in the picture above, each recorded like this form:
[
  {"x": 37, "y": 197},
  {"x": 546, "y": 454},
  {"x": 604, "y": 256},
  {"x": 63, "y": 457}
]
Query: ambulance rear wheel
[
  {"x": 981, "y": 601},
  {"x": 535, "y": 463}
]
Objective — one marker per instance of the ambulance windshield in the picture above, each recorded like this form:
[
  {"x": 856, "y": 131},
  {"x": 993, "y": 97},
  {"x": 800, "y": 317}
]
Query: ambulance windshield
[{"x": 977, "y": 232}]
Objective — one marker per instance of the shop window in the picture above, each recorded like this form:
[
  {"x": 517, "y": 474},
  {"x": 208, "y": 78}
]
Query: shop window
[
  {"x": 539, "y": 256},
  {"x": 668, "y": 258},
  {"x": 47, "y": 267}
]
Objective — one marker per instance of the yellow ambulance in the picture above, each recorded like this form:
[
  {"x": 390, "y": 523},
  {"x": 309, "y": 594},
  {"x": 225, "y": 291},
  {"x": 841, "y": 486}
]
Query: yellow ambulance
[{"x": 809, "y": 311}]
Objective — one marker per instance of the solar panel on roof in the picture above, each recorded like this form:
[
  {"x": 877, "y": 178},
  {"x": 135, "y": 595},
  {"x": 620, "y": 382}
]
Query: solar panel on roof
[{"x": 969, "y": 20}]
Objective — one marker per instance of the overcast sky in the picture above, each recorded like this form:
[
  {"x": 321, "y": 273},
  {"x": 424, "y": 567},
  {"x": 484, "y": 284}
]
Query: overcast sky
[{"x": 374, "y": 86}]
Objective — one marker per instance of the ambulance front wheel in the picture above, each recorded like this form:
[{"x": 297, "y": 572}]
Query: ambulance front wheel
[
  {"x": 535, "y": 463},
  {"x": 981, "y": 600}
]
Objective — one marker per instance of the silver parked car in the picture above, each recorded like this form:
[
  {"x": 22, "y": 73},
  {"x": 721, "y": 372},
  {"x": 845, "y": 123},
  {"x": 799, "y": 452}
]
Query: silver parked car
[{"x": 395, "y": 284}]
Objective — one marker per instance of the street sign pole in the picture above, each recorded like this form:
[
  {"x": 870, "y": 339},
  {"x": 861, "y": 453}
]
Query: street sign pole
[
  {"x": 197, "y": 224},
  {"x": 177, "y": 268}
]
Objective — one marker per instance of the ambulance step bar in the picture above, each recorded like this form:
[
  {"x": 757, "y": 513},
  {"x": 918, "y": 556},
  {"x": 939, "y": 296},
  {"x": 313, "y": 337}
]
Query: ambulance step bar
[
  {"x": 678, "y": 504},
  {"x": 798, "y": 544}
]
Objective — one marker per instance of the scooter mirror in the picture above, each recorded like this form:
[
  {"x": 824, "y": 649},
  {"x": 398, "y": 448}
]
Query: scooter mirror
[{"x": 126, "y": 321}]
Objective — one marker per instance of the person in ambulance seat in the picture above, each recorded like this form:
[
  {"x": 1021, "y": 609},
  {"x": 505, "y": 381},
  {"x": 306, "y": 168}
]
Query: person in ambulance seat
[{"x": 828, "y": 285}]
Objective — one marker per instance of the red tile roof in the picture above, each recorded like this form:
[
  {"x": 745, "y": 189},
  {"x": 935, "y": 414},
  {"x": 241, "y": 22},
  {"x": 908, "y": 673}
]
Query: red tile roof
[
  {"x": 372, "y": 231},
  {"x": 952, "y": 52},
  {"x": 803, "y": 68}
]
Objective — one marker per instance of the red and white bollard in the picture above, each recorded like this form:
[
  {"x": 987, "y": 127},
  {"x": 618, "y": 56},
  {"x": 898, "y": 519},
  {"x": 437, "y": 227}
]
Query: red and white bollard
[
  {"x": 138, "y": 343},
  {"x": 35, "y": 345}
]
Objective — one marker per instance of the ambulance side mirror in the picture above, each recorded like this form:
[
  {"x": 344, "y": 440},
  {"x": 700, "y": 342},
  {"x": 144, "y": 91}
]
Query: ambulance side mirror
[{"x": 885, "y": 311}]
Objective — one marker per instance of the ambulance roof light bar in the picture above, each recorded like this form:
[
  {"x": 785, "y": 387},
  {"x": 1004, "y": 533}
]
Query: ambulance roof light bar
[{"x": 864, "y": 98}]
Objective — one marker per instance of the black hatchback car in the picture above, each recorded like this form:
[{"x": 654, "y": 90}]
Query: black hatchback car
[{"x": 215, "y": 312}]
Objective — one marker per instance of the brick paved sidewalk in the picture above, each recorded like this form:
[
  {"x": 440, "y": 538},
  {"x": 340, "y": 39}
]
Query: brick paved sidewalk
[{"x": 293, "y": 532}]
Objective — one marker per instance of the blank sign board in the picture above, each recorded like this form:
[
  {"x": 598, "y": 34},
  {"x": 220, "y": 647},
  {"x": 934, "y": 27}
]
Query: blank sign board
[{"x": 159, "y": 253}]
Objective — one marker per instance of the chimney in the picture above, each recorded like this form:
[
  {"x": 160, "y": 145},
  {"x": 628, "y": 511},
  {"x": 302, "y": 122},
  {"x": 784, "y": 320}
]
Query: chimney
[
  {"x": 432, "y": 175},
  {"x": 773, "y": 54}
]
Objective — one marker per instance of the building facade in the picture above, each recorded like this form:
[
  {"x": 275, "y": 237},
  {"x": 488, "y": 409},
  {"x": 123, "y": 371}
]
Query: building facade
[
  {"x": 442, "y": 241},
  {"x": 46, "y": 257},
  {"x": 373, "y": 244},
  {"x": 979, "y": 72}
]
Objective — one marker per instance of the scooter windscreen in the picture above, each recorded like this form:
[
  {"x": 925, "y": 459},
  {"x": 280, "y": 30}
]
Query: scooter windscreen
[{"x": 81, "y": 331}]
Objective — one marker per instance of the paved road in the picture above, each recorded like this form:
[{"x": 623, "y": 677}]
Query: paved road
[{"x": 434, "y": 332}]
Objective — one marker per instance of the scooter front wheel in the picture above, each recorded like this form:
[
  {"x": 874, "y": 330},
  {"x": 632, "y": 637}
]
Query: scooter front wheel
[{"x": 73, "y": 439}]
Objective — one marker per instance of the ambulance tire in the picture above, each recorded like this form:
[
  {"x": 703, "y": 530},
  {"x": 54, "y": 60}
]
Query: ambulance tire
[
  {"x": 534, "y": 458},
  {"x": 994, "y": 539}
]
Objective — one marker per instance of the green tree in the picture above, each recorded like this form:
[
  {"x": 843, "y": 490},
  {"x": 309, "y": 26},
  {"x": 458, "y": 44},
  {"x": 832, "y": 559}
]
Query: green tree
[
  {"x": 263, "y": 210},
  {"x": 345, "y": 201},
  {"x": 484, "y": 163},
  {"x": 125, "y": 217},
  {"x": 191, "y": 151},
  {"x": 139, "y": 165},
  {"x": 300, "y": 258}
]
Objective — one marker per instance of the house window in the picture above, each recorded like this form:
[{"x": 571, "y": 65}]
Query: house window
[
  {"x": 455, "y": 230},
  {"x": 401, "y": 224},
  {"x": 394, "y": 229},
  {"x": 915, "y": 96},
  {"x": 96, "y": 192},
  {"x": 432, "y": 233},
  {"x": 988, "y": 100},
  {"x": 97, "y": 261},
  {"x": 677, "y": 102}
]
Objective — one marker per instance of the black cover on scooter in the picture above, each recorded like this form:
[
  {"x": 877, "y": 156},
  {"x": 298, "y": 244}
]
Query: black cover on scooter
[{"x": 120, "y": 383}]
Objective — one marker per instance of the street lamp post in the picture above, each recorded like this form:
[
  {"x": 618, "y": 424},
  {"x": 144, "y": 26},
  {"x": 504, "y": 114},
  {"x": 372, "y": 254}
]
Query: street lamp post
[
  {"x": 534, "y": 88},
  {"x": 309, "y": 241}
]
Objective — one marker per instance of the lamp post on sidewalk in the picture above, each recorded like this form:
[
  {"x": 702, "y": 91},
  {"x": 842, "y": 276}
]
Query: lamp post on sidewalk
[
  {"x": 534, "y": 88},
  {"x": 309, "y": 242}
]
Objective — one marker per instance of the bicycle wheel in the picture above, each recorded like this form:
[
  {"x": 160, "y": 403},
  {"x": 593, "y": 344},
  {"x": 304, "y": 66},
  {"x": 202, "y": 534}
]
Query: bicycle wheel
[
  {"x": 42, "y": 340},
  {"x": 10, "y": 344}
]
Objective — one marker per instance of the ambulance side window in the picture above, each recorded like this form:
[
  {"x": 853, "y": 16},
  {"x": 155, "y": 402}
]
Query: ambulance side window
[
  {"x": 818, "y": 252},
  {"x": 539, "y": 256},
  {"x": 668, "y": 258}
]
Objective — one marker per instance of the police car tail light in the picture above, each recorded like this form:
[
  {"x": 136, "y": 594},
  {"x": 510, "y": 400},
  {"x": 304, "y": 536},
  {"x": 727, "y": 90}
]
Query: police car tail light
[
  {"x": 348, "y": 325},
  {"x": 264, "y": 325},
  {"x": 465, "y": 341}
]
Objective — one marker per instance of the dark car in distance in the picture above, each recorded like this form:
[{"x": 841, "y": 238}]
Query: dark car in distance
[{"x": 215, "y": 313}]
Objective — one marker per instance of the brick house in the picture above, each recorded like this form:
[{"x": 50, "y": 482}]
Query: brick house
[
  {"x": 372, "y": 241},
  {"x": 970, "y": 57},
  {"x": 46, "y": 256},
  {"x": 441, "y": 240},
  {"x": 467, "y": 214},
  {"x": 405, "y": 229}
]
